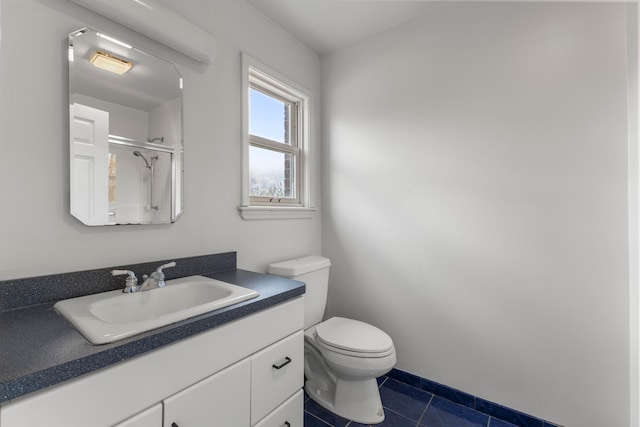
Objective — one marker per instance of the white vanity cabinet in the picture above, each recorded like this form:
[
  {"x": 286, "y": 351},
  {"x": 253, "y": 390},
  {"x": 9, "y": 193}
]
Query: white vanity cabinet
[
  {"x": 248, "y": 372},
  {"x": 277, "y": 372},
  {"x": 151, "y": 417},
  {"x": 220, "y": 400},
  {"x": 289, "y": 414}
]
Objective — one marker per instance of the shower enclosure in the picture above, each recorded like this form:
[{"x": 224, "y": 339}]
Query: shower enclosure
[
  {"x": 140, "y": 179},
  {"x": 152, "y": 202}
]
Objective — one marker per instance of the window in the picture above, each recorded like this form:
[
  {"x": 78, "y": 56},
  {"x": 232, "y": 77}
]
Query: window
[{"x": 275, "y": 145}]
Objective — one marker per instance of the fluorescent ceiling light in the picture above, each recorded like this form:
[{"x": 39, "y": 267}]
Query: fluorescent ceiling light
[
  {"x": 154, "y": 20},
  {"x": 110, "y": 63}
]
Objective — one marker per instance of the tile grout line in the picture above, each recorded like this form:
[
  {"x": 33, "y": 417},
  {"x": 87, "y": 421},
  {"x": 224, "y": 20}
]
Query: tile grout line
[
  {"x": 320, "y": 419},
  {"x": 445, "y": 392},
  {"x": 425, "y": 409},
  {"x": 429, "y": 402},
  {"x": 400, "y": 415}
]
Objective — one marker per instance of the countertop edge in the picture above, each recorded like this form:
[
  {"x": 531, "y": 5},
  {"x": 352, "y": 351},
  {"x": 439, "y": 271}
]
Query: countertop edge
[{"x": 283, "y": 290}]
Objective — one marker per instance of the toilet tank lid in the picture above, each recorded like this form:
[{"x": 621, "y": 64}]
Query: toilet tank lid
[{"x": 299, "y": 266}]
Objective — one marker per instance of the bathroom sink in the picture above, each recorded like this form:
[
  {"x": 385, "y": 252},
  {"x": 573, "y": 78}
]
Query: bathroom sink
[{"x": 114, "y": 315}]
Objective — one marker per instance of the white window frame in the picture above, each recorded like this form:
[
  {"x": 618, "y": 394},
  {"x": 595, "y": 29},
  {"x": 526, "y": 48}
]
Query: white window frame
[
  {"x": 259, "y": 75},
  {"x": 259, "y": 83}
]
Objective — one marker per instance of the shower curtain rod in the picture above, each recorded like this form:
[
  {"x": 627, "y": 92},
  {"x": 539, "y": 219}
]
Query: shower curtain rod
[{"x": 119, "y": 140}]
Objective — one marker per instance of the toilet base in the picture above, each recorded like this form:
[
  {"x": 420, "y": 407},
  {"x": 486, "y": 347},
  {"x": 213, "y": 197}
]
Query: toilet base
[{"x": 357, "y": 401}]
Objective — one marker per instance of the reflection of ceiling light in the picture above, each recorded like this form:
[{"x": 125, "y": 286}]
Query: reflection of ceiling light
[
  {"x": 108, "y": 62},
  {"x": 114, "y": 40}
]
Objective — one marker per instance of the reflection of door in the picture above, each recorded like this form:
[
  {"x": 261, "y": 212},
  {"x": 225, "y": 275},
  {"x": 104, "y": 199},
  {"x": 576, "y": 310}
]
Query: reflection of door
[{"x": 89, "y": 163}]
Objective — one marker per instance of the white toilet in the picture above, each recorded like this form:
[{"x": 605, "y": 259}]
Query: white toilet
[{"x": 342, "y": 357}]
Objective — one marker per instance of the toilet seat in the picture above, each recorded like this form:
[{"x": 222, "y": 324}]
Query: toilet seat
[{"x": 353, "y": 338}]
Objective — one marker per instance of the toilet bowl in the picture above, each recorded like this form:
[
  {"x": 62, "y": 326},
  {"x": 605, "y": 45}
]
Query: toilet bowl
[
  {"x": 340, "y": 374},
  {"x": 342, "y": 357}
]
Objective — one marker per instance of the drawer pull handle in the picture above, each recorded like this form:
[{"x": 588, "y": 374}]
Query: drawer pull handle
[
  {"x": 287, "y": 424},
  {"x": 174, "y": 425},
  {"x": 287, "y": 360}
]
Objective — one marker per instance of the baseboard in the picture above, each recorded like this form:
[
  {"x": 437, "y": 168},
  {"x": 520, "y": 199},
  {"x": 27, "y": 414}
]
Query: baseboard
[{"x": 490, "y": 408}]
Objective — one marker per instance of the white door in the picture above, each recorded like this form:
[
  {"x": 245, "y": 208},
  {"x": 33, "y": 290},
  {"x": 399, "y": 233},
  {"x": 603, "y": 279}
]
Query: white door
[{"x": 89, "y": 164}]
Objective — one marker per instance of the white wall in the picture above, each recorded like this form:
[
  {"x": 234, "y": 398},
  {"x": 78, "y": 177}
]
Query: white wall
[
  {"x": 475, "y": 201},
  {"x": 162, "y": 122},
  {"x": 124, "y": 121},
  {"x": 37, "y": 233},
  {"x": 634, "y": 214}
]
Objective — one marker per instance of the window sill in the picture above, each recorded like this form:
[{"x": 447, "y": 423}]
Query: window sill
[{"x": 276, "y": 212}]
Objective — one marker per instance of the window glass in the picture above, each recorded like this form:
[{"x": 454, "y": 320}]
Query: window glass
[
  {"x": 271, "y": 173},
  {"x": 267, "y": 117}
]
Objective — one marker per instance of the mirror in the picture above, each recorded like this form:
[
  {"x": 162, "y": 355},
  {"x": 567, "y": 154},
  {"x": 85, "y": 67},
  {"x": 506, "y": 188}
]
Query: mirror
[{"x": 125, "y": 123}]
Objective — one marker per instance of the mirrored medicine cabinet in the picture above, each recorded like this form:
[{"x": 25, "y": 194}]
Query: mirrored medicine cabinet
[{"x": 125, "y": 127}]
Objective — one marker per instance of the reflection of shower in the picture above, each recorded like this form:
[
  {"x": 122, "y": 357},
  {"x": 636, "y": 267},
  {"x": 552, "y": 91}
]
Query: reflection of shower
[
  {"x": 151, "y": 186},
  {"x": 139, "y": 154}
]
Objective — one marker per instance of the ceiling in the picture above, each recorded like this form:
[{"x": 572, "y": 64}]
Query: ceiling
[
  {"x": 151, "y": 81},
  {"x": 326, "y": 26}
]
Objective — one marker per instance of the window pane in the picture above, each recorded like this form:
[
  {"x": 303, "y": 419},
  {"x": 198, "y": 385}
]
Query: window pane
[
  {"x": 271, "y": 173},
  {"x": 268, "y": 117}
]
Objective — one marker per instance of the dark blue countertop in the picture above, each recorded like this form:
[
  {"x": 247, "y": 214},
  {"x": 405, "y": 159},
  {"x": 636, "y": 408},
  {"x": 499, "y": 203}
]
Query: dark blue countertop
[{"x": 39, "y": 348}]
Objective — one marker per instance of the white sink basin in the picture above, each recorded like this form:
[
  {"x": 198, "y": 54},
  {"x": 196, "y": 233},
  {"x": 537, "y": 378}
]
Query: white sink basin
[{"x": 114, "y": 315}]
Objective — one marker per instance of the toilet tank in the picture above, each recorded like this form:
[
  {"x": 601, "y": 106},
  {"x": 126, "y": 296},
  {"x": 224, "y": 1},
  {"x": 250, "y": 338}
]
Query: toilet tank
[{"x": 314, "y": 272}]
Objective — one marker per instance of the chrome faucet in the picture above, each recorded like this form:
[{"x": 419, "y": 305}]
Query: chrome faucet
[
  {"x": 155, "y": 279},
  {"x": 152, "y": 281},
  {"x": 131, "y": 284}
]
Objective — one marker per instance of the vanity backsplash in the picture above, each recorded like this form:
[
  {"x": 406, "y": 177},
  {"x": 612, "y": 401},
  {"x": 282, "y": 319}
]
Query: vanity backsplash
[{"x": 20, "y": 293}]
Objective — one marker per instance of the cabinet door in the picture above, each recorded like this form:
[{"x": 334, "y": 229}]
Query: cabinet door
[
  {"x": 277, "y": 372},
  {"x": 289, "y": 414},
  {"x": 219, "y": 400},
  {"x": 152, "y": 417}
]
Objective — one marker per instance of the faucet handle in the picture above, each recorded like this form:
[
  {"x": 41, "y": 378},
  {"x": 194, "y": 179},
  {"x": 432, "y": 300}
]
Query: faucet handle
[
  {"x": 132, "y": 275},
  {"x": 167, "y": 265},
  {"x": 159, "y": 274},
  {"x": 131, "y": 282}
]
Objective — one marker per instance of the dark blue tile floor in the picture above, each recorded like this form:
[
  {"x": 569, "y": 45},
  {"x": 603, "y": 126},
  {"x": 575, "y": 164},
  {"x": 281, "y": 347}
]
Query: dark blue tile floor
[{"x": 407, "y": 406}]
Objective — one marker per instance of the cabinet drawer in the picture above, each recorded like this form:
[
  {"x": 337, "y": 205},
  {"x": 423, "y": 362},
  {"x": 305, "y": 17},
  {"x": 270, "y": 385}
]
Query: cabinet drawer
[
  {"x": 289, "y": 414},
  {"x": 277, "y": 372}
]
